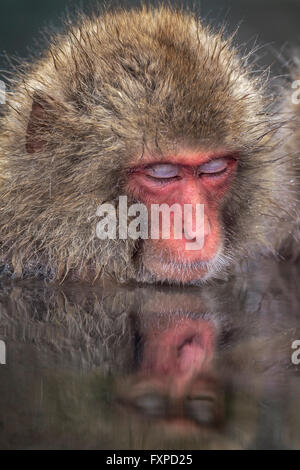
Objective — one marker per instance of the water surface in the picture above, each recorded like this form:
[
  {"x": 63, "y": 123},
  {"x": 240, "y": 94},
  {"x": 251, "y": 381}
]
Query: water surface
[{"x": 152, "y": 368}]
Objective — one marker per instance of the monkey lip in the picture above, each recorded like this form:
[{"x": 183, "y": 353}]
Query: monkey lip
[
  {"x": 177, "y": 271},
  {"x": 180, "y": 270}
]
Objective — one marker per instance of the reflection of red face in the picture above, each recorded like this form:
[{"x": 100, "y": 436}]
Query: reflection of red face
[
  {"x": 189, "y": 178},
  {"x": 179, "y": 353},
  {"x": 174, "y": 382}
]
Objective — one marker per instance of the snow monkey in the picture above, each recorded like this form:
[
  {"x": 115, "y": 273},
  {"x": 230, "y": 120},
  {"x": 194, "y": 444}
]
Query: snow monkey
[{"x": 155, "y": 106}]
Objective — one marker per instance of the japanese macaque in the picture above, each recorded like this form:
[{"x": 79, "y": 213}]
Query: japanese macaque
[{"x": 152, "y": 105}]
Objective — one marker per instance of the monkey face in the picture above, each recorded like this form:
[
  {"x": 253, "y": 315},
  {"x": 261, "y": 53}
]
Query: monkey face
[{"x": 187, "y": 180}]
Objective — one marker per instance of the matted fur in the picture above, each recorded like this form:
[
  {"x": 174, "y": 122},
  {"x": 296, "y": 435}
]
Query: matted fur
[{"x": 113, "y": 87}]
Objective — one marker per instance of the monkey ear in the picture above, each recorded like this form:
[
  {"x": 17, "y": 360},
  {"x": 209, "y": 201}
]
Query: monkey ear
[{"x": 37, "y": 124}]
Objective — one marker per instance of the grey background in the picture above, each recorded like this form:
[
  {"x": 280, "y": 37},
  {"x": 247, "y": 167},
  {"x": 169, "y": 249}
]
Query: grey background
[{"x": 272, "y": 23}]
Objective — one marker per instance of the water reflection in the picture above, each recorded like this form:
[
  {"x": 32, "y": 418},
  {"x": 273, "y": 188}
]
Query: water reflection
[{"x": 144, "y": 368}]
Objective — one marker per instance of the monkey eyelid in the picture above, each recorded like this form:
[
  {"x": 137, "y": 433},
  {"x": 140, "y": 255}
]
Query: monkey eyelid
[
  {"x": 215, "y": 166},
  {"x": 163, "y": 170},
  {"x": 159, "y": 170},
  {"x": 168, "y": 172}
]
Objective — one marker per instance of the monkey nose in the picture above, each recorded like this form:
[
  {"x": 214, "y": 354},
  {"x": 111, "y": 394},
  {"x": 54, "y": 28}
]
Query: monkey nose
[{"x": 193, "y": 228}]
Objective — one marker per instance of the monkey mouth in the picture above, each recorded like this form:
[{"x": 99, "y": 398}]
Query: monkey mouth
[{"x": 179, "y": 271}]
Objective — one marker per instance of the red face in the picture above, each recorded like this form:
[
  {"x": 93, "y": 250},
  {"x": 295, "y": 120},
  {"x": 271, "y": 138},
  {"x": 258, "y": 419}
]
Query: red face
[{"x": 189, "y": 178}]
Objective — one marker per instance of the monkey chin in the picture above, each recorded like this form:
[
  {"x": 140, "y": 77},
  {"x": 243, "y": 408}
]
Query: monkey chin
[{"x": 172, "y": 270}]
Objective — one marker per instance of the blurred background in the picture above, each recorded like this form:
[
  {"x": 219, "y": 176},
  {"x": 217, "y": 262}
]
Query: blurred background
[{"x": 274, "y": 24}]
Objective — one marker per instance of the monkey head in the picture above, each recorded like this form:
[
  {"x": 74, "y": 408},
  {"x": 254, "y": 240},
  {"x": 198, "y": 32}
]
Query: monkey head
[{"x": 152, "y": 105}]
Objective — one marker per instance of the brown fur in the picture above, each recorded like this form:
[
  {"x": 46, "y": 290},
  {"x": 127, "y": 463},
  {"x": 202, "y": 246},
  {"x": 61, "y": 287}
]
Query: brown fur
[{"x": 111, "y": 88}]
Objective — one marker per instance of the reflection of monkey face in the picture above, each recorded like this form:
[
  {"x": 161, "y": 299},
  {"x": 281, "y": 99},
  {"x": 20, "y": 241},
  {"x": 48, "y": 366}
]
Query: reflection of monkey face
[{"x": 174, "y": 380}]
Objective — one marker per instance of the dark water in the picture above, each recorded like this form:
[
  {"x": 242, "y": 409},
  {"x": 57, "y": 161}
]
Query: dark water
[{"x": 152, "y": 368}]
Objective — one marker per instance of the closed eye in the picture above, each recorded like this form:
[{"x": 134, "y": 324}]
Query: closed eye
[
  {"x": 162, "y": 171},
  {"x": 215, "y": 167}
]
